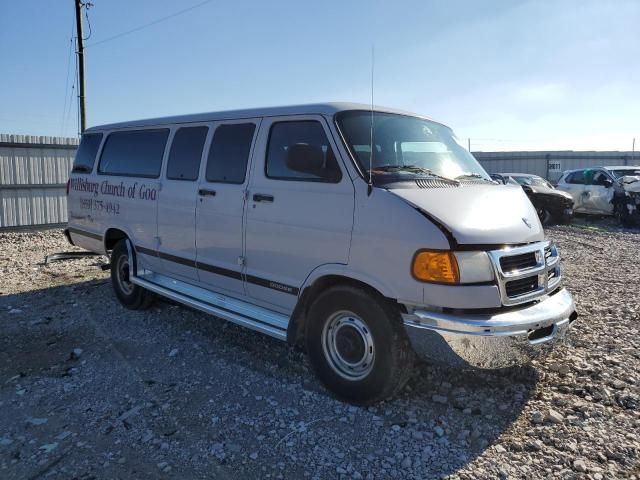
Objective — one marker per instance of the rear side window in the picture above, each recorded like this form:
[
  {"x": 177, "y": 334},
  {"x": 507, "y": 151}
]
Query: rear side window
[
  {"x": 306, "y": 136},
  {"x": 576, "y": 177},
  {"x": 229, "y": 153},
  {"x": 86, "y": 154},
  {"x": 186, "y": 152},
  {"x": 135, "y": 153}
]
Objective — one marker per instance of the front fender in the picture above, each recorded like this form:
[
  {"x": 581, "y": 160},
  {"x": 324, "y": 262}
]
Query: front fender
[{"x": 342, "y": 270}]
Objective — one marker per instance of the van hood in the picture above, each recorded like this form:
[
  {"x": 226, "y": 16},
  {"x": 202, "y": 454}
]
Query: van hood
[{"x": 479, "y": 214}]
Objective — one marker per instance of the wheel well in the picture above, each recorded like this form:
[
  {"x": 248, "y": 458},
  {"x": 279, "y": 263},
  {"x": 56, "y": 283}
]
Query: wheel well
[
  {"x": 297, "y": 325},
  {"x": 113, "y": 236}
]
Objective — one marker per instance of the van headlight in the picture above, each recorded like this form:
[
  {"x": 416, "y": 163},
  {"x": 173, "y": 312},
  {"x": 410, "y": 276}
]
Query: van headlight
[
  {"x": 474, "y": 267},
  {"x": 443, "y": 266}
]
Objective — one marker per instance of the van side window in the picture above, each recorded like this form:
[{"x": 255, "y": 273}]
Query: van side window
[
  {"x": 134, "y": 153},
  {"x": 86, "y": 154},
  {"x": 301, "y": 151},
  {"x": 186, "y": 152},
  {"x": 576, "y": 177},
  {"x": 229, "y": 153}
]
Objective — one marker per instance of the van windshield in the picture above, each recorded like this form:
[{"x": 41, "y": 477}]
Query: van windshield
[{"x": 406, "y": 148}]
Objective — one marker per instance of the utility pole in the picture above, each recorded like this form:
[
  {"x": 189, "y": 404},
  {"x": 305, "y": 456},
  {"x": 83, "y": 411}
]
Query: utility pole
[
  {"x": 469, "y": 143},
  {"x": 81, "y": 92},
  {"x": 633, "y": 151}
]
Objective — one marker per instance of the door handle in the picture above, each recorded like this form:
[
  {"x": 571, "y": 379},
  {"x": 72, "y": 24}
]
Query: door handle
[
  {"x": 261, "y": 197},
  {"x": 204, "y": 192}
]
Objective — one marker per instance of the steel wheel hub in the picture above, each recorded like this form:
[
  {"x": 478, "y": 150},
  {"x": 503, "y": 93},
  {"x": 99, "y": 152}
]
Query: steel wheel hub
[{"x": 348, "y": 346}]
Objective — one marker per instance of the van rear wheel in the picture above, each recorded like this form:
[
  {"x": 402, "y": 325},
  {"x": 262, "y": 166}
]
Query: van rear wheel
[
  {"x": 357, "y": 345},
  {"x": 131, "y": 296}
]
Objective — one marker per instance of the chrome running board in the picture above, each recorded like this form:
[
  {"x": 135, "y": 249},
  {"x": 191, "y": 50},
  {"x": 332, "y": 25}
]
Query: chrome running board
[{"x": 228, "y": 308}]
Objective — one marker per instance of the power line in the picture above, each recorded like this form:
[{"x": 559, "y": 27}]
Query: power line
[
  {"x": 146, "y": 25},
  {"x": 66, "y": 82},
  {"x": 86, "y": 6},
  {"x": 73, "y": 87}
]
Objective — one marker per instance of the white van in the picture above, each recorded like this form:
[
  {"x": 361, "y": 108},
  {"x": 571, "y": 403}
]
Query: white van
[{"x": 285, "y": 220}]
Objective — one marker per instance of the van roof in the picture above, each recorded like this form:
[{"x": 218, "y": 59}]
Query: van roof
[{"x": 329, "y": 108}]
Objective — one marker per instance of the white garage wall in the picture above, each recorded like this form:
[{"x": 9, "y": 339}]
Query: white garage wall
[
  {"x": 538, "y": 163},
  {"x": 33, "y": 177}
]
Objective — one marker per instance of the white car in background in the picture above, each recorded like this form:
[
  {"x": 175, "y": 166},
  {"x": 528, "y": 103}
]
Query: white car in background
[{"x": 604, "y": 190}]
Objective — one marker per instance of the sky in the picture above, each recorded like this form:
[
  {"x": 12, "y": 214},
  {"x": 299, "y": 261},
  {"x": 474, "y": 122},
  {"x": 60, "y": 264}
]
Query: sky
[{"x": 506, "y": 74}]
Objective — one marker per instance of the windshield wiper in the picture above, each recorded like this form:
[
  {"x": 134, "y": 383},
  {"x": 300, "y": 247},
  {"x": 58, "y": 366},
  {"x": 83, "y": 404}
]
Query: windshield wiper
[
  {"x": 473, "y": 175},
  {"x": 415, "y": 169}
]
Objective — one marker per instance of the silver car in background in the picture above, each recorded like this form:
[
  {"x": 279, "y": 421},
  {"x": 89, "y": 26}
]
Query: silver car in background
[{"x": 611, "y": 190}]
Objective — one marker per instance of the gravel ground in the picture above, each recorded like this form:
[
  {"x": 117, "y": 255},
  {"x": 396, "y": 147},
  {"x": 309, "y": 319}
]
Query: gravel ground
[{"x": 90, "y": 390}]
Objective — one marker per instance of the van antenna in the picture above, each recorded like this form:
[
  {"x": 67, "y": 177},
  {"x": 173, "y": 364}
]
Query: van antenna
[{"x": 370, "y": 186}]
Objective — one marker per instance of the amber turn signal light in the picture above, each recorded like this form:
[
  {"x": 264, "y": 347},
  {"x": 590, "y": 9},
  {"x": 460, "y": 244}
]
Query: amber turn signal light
[{"x": 435, "y": 266}]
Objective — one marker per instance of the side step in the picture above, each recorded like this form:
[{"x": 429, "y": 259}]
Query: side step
[{"x": 228, "y": 308}]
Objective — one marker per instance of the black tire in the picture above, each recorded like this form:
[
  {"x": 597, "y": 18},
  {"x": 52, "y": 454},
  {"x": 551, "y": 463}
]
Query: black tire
[
  {"x": 566, "y": 218},
  {"x": 131, "y": 296},
  {"x": 544, "y": 215},
  {"x": 622, "y": 214},
  {"x": 354, "y": 318}
]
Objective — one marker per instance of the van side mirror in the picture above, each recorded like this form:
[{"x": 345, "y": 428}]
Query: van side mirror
[
  {"x": 607, "y": 182},
  {"x": 305, "y": 158}
]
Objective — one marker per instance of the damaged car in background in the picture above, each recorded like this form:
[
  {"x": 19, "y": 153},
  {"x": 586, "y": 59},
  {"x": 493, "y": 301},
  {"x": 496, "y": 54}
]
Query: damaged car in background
[
  {"x": 552, "y": 205},
  {"x": 626, "y": 199},
  {"x": 605, "y": 191}
]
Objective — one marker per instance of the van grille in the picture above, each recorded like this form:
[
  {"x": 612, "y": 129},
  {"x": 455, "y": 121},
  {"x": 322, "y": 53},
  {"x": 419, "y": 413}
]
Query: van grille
[
  {"x": 518, "y": 262},
  {"x": 526, "y": 273},
  {"x": 515, "y": 288}
]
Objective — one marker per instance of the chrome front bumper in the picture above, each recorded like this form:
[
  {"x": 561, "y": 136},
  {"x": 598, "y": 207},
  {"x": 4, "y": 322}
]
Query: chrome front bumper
[{"x": 491, "y": 341}]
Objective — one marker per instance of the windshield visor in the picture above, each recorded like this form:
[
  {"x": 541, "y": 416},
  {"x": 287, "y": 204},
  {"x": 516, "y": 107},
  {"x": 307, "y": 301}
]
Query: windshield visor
[{"x": 405, "y": 146}]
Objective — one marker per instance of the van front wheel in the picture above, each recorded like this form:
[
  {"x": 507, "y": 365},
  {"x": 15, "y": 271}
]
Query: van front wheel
[
  {"x": 131, "y": 296},
  {"x": 357, "y": 345}
]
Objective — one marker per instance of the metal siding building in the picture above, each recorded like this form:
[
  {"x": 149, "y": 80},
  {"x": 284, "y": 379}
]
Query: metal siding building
[
  {"x": 34, "y": 173},
  {"x": 550, "y": 165},
  {"x": 33, "y": 176}
]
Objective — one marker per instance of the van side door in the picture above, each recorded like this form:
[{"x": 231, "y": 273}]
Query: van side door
[
  {"x": 177, "y": 201},
  {"x": 220, "y": 206},
  {"x": 299, "y": 212}
]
